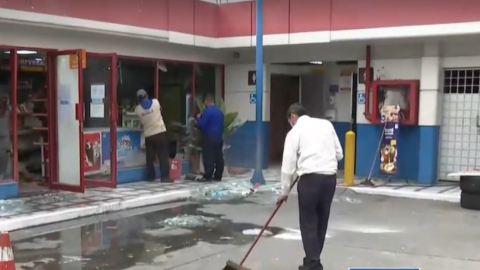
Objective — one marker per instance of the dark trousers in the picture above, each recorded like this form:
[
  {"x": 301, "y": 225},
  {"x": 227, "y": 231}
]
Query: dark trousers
[
  {"x": 157, "y": 146},
  {"x": 212, "y": 154},
  {"x": 315, "y": 195}
]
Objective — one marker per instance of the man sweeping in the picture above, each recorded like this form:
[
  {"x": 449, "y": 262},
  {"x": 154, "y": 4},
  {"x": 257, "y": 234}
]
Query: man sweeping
[
  {"x": 312, "y": 151},
  {"x": 155, "y": 132}
]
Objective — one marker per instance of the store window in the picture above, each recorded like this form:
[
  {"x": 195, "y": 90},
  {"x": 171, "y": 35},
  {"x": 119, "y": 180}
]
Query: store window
[
  {"x": 208, "y": 80},
  {"x": 133, "y": 74},
  {"x": 5, "y": 118},
  {"x": 174, "y": 92}
]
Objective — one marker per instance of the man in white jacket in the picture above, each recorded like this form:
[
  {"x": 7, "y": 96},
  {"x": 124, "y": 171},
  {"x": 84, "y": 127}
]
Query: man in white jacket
[{"x": 312, "y": 151}]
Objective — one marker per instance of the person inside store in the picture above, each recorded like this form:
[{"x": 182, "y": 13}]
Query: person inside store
[
  {"x": 210, "y": 123},
  {"x": 149, "y": 113}
]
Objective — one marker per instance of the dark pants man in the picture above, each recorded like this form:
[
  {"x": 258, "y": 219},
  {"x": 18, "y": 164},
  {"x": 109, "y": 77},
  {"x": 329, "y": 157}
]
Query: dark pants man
[
  {"x": 212, "y": 154},
  {"x": 157, "y": 146},
  {"x": 315, "y": 195}
]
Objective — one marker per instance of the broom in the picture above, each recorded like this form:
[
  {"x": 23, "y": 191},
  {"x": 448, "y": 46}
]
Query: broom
[{"x": 235, "y": 266}]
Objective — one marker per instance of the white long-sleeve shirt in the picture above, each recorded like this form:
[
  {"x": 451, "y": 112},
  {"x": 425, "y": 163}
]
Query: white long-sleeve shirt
[{"x": 311, "y": 146}]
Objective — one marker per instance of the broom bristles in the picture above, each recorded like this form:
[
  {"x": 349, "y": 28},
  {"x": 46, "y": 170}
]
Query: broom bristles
[{"x": 234, "y": 266}]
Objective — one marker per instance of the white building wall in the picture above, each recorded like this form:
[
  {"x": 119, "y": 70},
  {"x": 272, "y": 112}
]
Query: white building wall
[
  {"x": 54, "y": 38},
  {"x": 237, "y": 91}
]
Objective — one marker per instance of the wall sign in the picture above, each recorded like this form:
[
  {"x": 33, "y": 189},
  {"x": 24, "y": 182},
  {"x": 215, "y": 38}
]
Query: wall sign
[
  {"x": 252, "y": 77},
  {"x": 361, "y": 98},
  {"x": 362, "y": 75},
  {"x": 253, "y": 98}
]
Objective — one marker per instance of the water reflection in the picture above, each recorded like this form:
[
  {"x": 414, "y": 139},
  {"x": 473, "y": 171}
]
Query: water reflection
[{"x": 127, "y": 242}]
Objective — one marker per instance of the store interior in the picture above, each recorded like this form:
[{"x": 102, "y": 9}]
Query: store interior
[
  {"x": 31, "y": 118},
  {"x": 175, "y": 87}
]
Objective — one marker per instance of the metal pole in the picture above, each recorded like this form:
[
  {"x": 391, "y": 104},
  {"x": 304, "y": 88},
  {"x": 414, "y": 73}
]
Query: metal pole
[{"x": 258, "y": 178}]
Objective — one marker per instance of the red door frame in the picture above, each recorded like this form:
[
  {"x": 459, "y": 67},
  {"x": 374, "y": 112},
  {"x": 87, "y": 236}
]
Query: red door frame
[
  {"x": 113, "y": 114},
  {"x": 53, "y": 125},
  {"x": 13, "y": 112}
]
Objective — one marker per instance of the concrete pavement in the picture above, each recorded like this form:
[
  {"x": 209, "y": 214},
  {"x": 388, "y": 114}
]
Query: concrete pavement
[{"x": 365, "y": 231}]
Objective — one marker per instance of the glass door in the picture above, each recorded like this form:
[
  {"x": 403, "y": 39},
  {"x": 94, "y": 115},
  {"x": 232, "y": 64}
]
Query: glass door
[
  {"x": 100, "y": 122},
  {"x": 66, "y": 120}
]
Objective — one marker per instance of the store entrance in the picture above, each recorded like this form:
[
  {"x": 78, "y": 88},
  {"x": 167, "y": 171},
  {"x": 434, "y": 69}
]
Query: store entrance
[
  {"x": 100, "y": 120},
  {"x": 24, "y": 107}
]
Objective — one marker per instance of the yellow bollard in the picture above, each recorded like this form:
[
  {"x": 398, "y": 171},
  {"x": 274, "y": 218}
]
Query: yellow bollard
[{"x": 349, "y": 167}]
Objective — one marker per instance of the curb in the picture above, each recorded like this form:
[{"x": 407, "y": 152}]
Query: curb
[
  {"x": 43, "y": 218},
  {"x": 455, "y": 198}
]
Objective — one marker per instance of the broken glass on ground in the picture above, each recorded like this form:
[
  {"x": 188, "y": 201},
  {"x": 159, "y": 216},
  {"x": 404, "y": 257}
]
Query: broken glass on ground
[
  {"x": 190, "y": 221},
  {"x": 230, "y": 191},
  {"x": 11, "y": 207},
  {"x": 347, "y": 195}
]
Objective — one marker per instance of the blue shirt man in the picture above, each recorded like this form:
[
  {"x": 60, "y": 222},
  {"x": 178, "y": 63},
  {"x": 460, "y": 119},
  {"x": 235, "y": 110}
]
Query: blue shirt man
[{"x": 210, "y": 123}]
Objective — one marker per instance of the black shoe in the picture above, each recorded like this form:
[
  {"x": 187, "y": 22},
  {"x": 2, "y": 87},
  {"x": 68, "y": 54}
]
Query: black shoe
[
  {"x": 302, "y": 267},
  {"x": 205, "y": 180},
  {"x": 217, "y": 179}
]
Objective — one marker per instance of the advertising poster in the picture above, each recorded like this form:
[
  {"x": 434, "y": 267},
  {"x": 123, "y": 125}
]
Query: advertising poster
[
  {"x": 389, "y": 143},
  {"x": 93, "y": 153},
  {"x": 129, "y": 152}
]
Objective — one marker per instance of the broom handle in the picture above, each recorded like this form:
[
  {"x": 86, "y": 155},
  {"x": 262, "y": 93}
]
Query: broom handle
[{"x": 265, "y": 226}]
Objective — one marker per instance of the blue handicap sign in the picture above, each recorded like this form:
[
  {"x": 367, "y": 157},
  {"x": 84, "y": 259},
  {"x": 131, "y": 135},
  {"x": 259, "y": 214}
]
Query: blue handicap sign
[
  {"x": 253, "y": 98},
  {"x": 361, "y": 98}
]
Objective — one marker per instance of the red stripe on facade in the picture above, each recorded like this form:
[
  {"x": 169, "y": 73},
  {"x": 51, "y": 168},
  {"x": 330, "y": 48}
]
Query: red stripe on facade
[
  {"x": 362, "y": 14},
  {"x": 310, "y": 15},
  {"x": 234, "y": 20},
  {"x": 275, "y": 17},
  {"x": 148, "y": 14},
  {"x": 206, "y": 18},
  {"x": 238, "y": 19},
  {"x": 181, "y": 16}
]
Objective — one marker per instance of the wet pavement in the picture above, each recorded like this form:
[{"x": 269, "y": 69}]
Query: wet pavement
[{"x": 365, "y": 231}]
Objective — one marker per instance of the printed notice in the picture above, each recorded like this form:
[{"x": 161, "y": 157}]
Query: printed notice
[
  {"x": 97, "y": 91},
  {"x": 97, "y": 110}
]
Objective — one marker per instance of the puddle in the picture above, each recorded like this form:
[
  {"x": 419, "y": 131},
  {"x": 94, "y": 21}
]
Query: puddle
[{"x": 137, "y": 242}]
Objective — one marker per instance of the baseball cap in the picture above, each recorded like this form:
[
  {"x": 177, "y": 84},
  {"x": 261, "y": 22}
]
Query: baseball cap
[{"x": 141, "y": 93}]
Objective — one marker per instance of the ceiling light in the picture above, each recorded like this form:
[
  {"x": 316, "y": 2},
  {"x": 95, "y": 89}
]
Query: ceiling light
[
  {"x": 316, "y": 62},
  {"x": 23, "y": 52}
]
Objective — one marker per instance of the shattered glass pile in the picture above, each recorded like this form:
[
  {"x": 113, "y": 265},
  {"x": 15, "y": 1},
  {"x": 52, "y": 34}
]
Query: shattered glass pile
[
  {"x": 11, "y": 207},
  {"x": 228, "y": 191},
  {"x": 189, "y": 221}
]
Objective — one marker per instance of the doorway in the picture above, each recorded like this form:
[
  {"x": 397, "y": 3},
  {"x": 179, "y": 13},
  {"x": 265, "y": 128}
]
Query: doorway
[
  {"x": 24, "y": 96},
  {"x": 100, "y": 120},
  {"x": 284, "y": 91}
]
